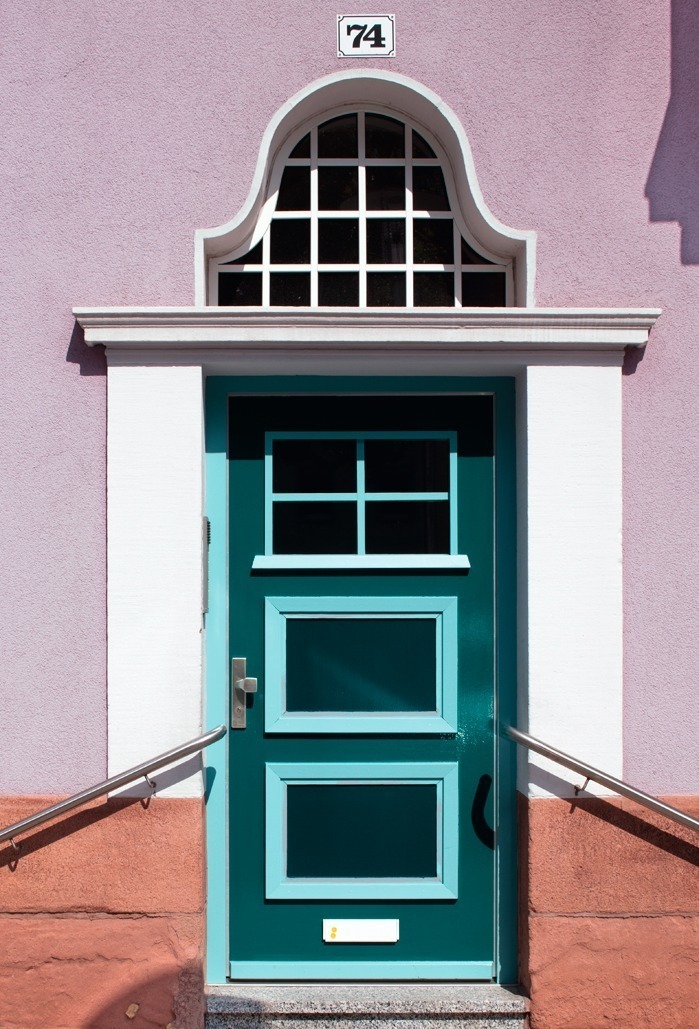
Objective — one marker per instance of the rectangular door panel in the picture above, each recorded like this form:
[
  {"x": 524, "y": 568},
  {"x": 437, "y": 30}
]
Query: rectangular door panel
[
  {"x": 361, "y": 664},
  {"x": 362, "y": 831}
]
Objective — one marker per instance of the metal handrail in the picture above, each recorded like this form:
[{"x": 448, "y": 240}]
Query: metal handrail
[
  {"x": 594, "y": 774},
  {"x": 114, "y": 783}
]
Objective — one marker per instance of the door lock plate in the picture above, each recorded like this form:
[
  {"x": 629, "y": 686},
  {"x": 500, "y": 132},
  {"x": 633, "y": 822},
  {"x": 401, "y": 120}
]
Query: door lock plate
[{"x": 241, "y": 685}]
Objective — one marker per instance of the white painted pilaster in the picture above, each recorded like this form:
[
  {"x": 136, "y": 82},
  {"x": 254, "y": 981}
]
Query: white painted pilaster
[
  {"x": 572, "y": 479},
  {"x": 154, "y": 504}
]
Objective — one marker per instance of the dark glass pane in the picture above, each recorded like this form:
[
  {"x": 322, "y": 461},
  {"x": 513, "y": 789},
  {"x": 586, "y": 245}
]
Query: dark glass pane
[
  {"x": 433, "y": 289},
  {"x": 338, "y": 241},
  {"x": 338, "y": 289},
  {"x": 372, "y": 831},
  {"x": 407, "y": 527},
  {"x": 295, "y": 190},
  {"x": 484, "y": 289},
  {"x": 385, "y": 240},
  {"x": 385, "y": 289},
  {"x": 314, "y": 527},
  {"x": 303, "y": 147},
  {"x": 337, "y": 189},
  {"x": 469, "y": 255},
  {"x": 429, "y": 190},
  {"x": 361, "y": 664},
  {"x": 385, "y": 189},
  {"x": 404, "y": 465},
  {"x": 290, "y": 241},
  {"x": 433, "y": 241},
  {"x": 338, "y": 137},
  {"x": 421, "y": 148},
  {"x": 290, "y": 289},
  {"x": 314, "y": 465},
  {"x": 385, "y": 137},
  {"x": 243, "y": 290},
  {"x": 253, "y": 256}
]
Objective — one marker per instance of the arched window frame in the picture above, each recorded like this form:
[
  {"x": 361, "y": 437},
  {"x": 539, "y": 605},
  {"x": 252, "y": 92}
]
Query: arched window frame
[
  {"x": 401, "y": 98},
  {"x": 494, "y": 262}
]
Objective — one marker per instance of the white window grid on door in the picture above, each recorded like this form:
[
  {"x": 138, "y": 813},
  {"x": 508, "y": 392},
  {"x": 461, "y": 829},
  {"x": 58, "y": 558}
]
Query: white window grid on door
[
  {"x": 360, "y": 496},
  {"x": 409, "y": 214}
]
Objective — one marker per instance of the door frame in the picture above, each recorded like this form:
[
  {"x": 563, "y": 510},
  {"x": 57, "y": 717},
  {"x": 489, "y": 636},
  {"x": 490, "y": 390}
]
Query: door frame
[{"x": 218, "y": 801}]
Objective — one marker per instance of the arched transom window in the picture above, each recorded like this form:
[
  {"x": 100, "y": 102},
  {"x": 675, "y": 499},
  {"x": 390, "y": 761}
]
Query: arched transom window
[{"x": 361, "y": 213}]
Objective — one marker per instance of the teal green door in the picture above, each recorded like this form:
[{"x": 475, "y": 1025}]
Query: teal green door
[{"x": 362, "y": 597}]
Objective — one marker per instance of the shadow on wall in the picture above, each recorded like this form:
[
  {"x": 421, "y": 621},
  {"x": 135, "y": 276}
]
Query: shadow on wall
[
  {"x": 652, "y": 828},
  {"x": 673, "y": 183},
  {"x": 92, "y": 360},
  {"x": 637, "y": 825},
  {"x": 58, "y": 830},
  {"x": 66, "y": 825},
  {"x": 174, "y": 999}
]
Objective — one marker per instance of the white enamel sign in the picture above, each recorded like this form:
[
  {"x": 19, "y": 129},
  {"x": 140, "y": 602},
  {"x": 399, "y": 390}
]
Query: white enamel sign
[
  {"x": 360, "y": 930},
  {"x": 366, "y": 35}
]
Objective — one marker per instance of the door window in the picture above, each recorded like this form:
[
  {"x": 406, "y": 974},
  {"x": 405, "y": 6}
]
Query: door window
[{"x": 361, "y": 493}]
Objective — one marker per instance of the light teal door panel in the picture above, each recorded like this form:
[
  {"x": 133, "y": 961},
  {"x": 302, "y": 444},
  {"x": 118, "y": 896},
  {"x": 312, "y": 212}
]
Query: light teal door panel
[
  {"x": 378, "y": 969},
  {"x": 462, "y": 970},
  {"x": 361, "y": 665},
  {"x": 362, "y": 785},
  {"x": 372, "y": 831}
]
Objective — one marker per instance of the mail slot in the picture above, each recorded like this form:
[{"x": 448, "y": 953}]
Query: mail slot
[{"x": 360, "y": 930}]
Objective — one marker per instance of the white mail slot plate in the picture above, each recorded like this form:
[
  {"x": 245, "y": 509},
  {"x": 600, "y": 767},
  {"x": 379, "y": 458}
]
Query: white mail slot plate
[{"x": 360, "y": 930}]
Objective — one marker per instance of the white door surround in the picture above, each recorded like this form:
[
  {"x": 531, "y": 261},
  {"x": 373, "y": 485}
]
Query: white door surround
[{"x": 567, "y": 365}]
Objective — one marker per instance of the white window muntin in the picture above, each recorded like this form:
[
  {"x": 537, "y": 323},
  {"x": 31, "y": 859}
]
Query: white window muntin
[
  {"x": 360, "y": 496},
  {"x": 498, "y": 265}
]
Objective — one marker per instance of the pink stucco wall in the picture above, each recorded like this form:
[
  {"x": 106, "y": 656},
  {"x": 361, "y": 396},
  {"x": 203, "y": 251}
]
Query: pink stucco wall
[{"x": 126, "y": 126}]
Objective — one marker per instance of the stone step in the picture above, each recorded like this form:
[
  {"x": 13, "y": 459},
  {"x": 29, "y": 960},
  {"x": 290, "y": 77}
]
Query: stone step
[{"x": 366, "y": 1006}]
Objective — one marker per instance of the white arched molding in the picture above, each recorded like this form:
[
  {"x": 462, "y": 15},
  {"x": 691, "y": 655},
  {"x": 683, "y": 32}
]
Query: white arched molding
[{"x": 385, "y": 93}]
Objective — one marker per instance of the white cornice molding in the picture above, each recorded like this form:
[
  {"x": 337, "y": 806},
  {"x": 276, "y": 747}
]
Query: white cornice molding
[{"x": 194, "y": 329}]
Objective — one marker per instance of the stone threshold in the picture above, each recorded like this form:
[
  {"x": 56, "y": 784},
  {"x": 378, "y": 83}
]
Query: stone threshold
[{"x": 405, "y": 1001}]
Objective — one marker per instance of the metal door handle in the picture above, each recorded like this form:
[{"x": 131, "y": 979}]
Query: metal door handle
[{"x": 242, "y": 685}]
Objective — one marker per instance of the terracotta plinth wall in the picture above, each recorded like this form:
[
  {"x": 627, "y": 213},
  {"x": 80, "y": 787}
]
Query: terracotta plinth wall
[
  {"x": 610, "y": 915},
  {"x": 102, "y": 917}
]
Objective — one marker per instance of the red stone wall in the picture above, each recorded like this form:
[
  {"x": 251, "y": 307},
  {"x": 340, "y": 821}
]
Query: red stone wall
[
  {"x": 610, "y": 915},
  {"x": 102, "y": 917}
]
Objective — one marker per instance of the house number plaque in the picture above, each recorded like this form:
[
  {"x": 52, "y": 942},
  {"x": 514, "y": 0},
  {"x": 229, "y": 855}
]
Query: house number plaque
[{"x": 366, "y": 35}]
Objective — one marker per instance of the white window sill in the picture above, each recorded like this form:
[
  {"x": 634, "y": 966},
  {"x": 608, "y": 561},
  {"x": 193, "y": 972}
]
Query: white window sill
[{"x": 360, "y": 562}]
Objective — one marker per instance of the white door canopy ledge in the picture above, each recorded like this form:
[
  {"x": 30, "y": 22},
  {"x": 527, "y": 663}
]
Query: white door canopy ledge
[
  {"x": 382, "y": 92},
  {"x": 511, "y": 330}
]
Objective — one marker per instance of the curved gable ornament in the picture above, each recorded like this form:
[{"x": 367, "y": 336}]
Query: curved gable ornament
[{"x": 394, "y": 96}]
